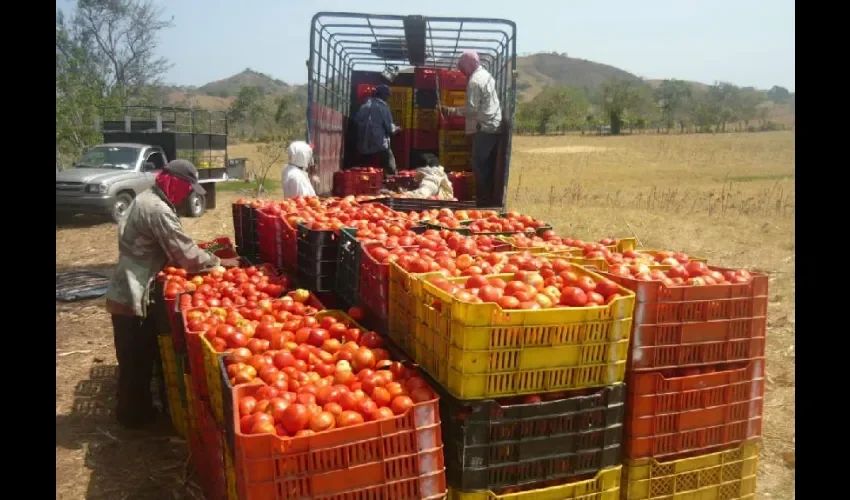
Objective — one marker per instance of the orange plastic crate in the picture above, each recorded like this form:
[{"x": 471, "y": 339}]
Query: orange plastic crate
[
  {"x": 696, "y": 413},
  {"x": 684, "y": 326},
  {"x": 395, "y": 458}
]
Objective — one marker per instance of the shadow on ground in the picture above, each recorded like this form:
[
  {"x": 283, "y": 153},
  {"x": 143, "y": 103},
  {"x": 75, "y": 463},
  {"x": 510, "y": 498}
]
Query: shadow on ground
[{"x": 140, "y": 464}]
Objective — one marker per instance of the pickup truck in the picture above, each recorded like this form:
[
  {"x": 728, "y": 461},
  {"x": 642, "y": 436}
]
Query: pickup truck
[{"x": 108, "y": 176}]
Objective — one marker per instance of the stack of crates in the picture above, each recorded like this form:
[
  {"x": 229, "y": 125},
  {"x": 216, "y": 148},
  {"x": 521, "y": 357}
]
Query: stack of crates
[
  {"x": 454, "y": 145},
  {"x": 401, "y": 107},
  {"x": 696, "y": 384},
  {"x": 426, "y": 125},
  {"x": 532, "y": 402}
]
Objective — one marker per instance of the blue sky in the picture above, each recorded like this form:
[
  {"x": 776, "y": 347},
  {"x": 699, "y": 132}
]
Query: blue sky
[{"x": 745, "y": 42}]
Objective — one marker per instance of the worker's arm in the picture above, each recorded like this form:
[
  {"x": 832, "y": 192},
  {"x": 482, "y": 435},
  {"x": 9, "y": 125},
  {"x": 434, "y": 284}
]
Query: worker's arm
[
  {"x": 178, "y": 246},
  {"x": 473, "y": 103},
  {"x": 387, "y": 121}
]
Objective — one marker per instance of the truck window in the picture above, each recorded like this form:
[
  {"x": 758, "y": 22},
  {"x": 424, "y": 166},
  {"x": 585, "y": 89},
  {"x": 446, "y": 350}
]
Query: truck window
[
  {"x": 120, "y": 157},
  {"x": 157, "y": 159}
]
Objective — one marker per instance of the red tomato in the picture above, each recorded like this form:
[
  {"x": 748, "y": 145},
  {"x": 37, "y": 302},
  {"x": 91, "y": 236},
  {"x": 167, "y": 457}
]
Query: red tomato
[
  {"x": 348, "y": 418},
  {"x": 295, "y": 418},
  {"x": 400, "y": 404},
  {"x": 573, "y": 297}
]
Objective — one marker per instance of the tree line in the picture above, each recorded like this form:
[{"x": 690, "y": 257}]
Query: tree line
[{"x": 633, "y": 105}]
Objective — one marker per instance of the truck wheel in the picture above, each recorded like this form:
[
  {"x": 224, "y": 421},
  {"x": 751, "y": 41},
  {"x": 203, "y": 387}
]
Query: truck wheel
[
  {"x": 197, "y": 204},
  {"x": 119, "y": 208}
]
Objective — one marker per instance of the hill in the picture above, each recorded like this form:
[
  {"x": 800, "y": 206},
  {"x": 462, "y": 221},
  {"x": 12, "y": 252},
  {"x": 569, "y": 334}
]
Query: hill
[
  {"x": 229, "y": 87},
  {"x": 538, "y": 71}
]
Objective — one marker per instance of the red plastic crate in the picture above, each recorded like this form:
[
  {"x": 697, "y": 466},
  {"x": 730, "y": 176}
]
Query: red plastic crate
[
  {"x": 356, "y": 182},
  {"x": 289, "y": 248},
  {"x": 696, "y": 413},
  {"x": 687, "y": 326},
  {"x": 375, "y": 285},
  {"x": 451, "y": 122},
  {"x": 426, "y": 139},
  {"x": 401, "y": 457},
  {"x": 206, "y": 444},
  {"x": 452, "y": 79},
  {"x": 425, "y": 78},
  {"x": 269, "y": 228}
]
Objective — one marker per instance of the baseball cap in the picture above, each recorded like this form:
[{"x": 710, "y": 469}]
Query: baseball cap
[{"x": 184, "y": 169}]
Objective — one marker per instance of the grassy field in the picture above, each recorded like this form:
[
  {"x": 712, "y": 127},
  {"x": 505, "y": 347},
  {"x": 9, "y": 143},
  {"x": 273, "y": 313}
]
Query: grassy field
[{"x": 729, "y": 198}]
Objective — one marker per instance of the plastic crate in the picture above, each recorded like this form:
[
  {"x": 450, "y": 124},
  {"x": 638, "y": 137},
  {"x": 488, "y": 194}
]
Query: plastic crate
[
  {"x": 402, "y": 322},
  {"x": 490, "y": 446},
  {"x": 230, "y": 474},
  {"x": 463, "y": 186},
  {"x": 250, "y": 238},
  {"x": 453, "y": 98},
  {"x": 452, "y": 79},
  {"x": 399, "y": 458},
  {"x": 482, "y": 351},
  {"x": 402, "y": 182},
  {"x": 213, "y": 380},
  {"x": 453, "y": 140},
  {"x": 425, "y": 78},
  {"x": 356, "y": 182},
  {"x": 452, "y": 122},
  {"x": 425, "y": 119},
  {"x": 347, "y": 285},
  {"x": 669, "y": 416},
  {"x": 207, "y": 453},
  {"x": 289, "y": 247},
  {"x": 604, "y": 486},
  {"x": 724, "y": 475},
  {"x": 455, "y": 160},
  {"x": 690, "y": 326},
  {"x": 172, "y": 372},
  {"x": 236, "y": 213},
  {"x": 269, "y": 229},
  {"x": 426, "y": 139},
  {"x": 425, "y": 98},
  {"x": 655, "y": 253},
  {"x": 375, "y": 286}
]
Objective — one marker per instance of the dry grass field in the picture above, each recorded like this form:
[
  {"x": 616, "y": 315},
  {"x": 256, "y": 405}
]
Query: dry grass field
[{"x": 729, "y": 198}]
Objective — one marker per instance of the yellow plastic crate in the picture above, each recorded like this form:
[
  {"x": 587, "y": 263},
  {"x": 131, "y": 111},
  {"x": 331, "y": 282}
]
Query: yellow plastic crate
[
  {"x": 401, "y": 308},
  {"x": 401, "y": 97},
  {"x": 453, "y": 98},
  {"x": 173, "y": 375},
  {"x": 425, "y": 119},
  {"x": 459, "y": 160},
  {"x": 604, "y": 486},
  {"x": 191, "y": 416},
  {"x": 402, "y": 117},
  {"x": 454, "y": 140},
  {"x": 624, "y": 244},
  {"x": 483, "y": 351},
  {"x": 212, "y": 372},
  {"x": 724, "y": 475}
]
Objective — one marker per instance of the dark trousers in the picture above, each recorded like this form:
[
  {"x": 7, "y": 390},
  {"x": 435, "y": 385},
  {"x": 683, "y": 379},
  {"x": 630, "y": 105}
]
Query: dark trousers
[
  {"x": 137, "y": 350},
  {"x": 484, "y": 149},
  {"x": 387, "y": 160}
]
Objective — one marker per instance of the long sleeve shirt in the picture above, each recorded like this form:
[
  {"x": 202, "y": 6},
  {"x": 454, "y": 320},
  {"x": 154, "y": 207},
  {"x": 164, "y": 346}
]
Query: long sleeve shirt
[
  {"x": 149, "y": 236},
  {"x": 483, "y": 111},
  {"x": 374, "y": 126}
]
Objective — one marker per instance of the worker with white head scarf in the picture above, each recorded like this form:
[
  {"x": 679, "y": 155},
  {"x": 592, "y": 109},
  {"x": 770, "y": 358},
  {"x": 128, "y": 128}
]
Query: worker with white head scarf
[{"x": 294, "y": 177}]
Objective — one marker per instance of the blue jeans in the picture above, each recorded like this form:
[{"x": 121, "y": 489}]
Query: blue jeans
[{"x": 484, "y": 148}]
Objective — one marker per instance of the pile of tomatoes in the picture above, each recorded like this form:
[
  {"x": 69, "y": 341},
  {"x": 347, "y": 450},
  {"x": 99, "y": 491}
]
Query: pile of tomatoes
[
  {"x": 562, "y": 287},
  {"x": 234, "y": 286},
  {"x": 692, "y": 273},
  {"x": 323, "y": 375}
]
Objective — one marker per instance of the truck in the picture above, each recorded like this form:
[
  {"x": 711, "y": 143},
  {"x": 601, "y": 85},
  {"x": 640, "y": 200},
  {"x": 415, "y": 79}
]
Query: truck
[
  {"x": 350, "y": 49},
  {"x": 138, "y": 141}
]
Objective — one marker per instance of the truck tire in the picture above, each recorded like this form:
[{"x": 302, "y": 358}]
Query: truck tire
[
  {"x": 197, "y": 204},
  {"x": 122, "y": 203}
]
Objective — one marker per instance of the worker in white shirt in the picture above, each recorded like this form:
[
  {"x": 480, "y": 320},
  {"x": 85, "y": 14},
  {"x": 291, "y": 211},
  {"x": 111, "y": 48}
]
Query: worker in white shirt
[
  {"x": 483, "y": 114},
  {"x": 294, "y": 177}
]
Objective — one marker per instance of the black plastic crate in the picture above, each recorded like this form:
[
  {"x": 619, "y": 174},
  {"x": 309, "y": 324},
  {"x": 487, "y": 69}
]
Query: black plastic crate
[
  {"x": 347, "y": 285},
  {"x": 316, "y": 238},
  {"x": 425, "y": 98},
  {"x": 489, "y": 446},
  {"x": 316, "y": 253},
  {"x": 250, "y": 237},
  {"x": 236, "y": 211},
  {"x": 417, "y": 204},
  {"x": 316, "y": 282}
]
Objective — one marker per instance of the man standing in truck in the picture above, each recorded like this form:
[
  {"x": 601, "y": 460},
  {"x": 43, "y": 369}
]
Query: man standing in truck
[
  {"x": 375, "y": 127},
  {"x": 483, "y": 114}
]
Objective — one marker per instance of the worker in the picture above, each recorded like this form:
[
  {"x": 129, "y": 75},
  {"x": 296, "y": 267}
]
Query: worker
[
  {"x": 150, "y": 235},
  {"x": 375, "y": 127},
  {"x": 294, "y": 178},
  {"x": 432, "y": 179},
  {"x": 483, "y": 114}
]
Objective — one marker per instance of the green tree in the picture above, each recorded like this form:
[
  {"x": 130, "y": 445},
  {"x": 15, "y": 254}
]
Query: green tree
[
  {"x": 562, "y": 107},
  {"x": 622, "y": 96},
  {"x": 749, "y": 100},
  {"x": 674, "y": 98},
  {"x": 778, "y": 94}
]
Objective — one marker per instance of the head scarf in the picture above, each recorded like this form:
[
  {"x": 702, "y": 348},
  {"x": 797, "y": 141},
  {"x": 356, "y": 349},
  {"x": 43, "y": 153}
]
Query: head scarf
[
  {"x": 468, "y": 62},
  {"x": 382, "y": 92},
  {"x": 175, "y": 188},
  {"x": 300, "y": 154}
]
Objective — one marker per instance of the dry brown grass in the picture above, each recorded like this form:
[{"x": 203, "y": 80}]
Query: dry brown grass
[{"x": 725, "y": 197}]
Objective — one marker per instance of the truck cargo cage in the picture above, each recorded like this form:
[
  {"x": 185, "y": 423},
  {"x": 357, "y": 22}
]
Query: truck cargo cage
[{"x": 348, "y": 49}]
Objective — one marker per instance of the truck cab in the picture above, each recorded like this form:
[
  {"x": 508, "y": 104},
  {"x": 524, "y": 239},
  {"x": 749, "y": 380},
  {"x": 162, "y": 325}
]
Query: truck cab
[
  {"x": 417, "y": 57},
  {"x": 106, "y": 179}
]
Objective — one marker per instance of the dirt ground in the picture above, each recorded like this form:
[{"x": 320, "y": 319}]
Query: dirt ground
[{"x": 729, "y": 198}]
